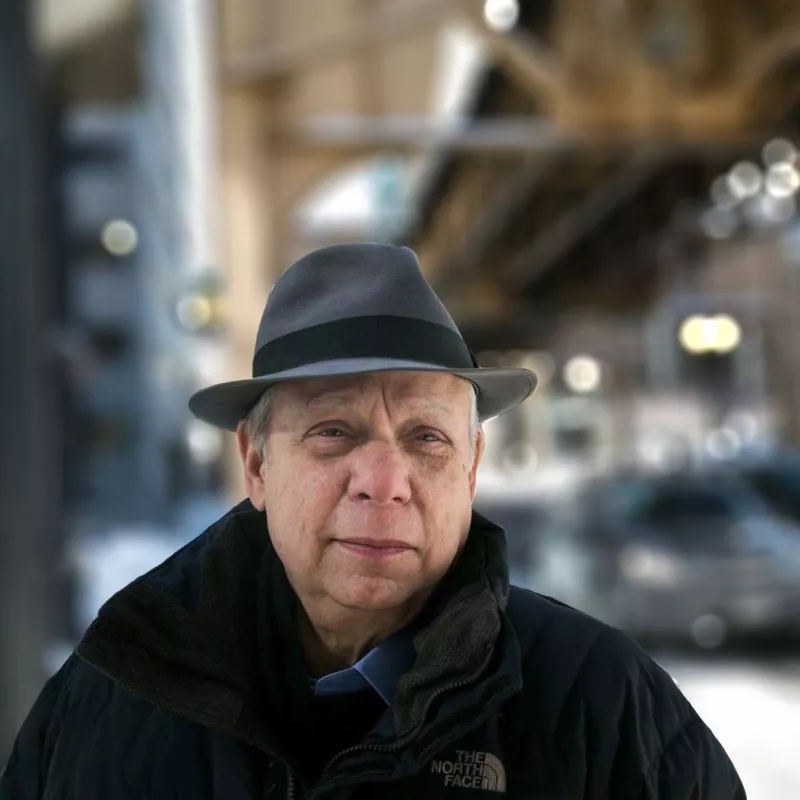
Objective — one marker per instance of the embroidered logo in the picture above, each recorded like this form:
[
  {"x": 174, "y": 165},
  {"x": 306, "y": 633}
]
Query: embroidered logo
[{"x": 473, "y": 769}]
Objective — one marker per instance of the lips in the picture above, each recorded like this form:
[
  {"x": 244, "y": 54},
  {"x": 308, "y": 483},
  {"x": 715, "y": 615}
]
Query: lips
[
  {"x": 375, "y": 548},
  {"x": 394, "y": 544}
]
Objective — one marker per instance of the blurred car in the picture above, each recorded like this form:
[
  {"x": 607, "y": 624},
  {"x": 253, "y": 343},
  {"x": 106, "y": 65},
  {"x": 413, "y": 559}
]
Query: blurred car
[
  {"x": 698, "y": 556},
  {"x": 777, "y": 481}
]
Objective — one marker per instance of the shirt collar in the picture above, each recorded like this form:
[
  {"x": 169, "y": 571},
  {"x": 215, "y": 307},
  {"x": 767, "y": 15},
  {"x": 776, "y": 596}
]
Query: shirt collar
[{"x": 381, "y": 668}]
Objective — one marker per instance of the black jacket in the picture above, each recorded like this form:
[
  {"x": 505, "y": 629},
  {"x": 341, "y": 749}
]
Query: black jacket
[{"x": 175, "y": 693}]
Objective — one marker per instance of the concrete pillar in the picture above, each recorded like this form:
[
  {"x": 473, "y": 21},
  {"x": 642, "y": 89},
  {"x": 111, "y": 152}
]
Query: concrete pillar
[{"x": 29, "y": 447}]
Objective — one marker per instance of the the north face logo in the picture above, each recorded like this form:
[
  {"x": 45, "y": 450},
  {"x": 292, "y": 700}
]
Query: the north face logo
[{"x": 473, "y": 769}]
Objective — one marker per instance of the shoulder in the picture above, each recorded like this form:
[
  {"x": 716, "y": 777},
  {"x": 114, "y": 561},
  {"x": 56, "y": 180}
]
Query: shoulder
[
  {"x": 599, "y": 699},
  {"x": 93, "y": 709},
  {"x": 601, "y": 710},
  {"x": 567, "y": 649},
  {"x": 101, "y": 722},
  {"x": 85, "y": 693}
]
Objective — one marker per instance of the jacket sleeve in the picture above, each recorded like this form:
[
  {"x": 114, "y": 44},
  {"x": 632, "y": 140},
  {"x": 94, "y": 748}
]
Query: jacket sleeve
[
  {"x": 693, "y": 766},
  {"x": 25, "y": 774}
]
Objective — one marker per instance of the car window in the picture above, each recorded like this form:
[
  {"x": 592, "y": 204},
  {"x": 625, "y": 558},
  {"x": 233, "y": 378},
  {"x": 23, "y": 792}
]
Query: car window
[
  {"x": 678, "y": 504},
  {"x": 779, "y": 488}
]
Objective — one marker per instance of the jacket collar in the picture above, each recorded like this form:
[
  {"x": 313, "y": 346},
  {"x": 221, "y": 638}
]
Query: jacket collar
[{"x": 188, "y": 636}]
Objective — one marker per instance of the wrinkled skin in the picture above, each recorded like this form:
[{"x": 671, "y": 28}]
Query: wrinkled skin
[{"x": 380, "y": 457}]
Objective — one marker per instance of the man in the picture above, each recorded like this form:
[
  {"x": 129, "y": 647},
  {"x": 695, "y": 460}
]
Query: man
[{"x": 349, "y": 631}]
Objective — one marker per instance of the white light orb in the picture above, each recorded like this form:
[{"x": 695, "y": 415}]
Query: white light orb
[
  {"x": 582, "y": 374},
  {"x": 194, "y": 312},
  {"x": 782, "y": 181},
  {"x": 501, "y": 15},
  {"x": 727, "y": 333},
  {"x": 745, "y": 180},
  {"x": 779, "y": 151},
  {"x": 119, "y": 237}
]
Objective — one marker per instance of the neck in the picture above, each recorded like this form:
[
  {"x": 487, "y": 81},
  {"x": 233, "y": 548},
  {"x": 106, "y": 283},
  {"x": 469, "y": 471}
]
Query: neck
[{"x": 335, "y": 641}]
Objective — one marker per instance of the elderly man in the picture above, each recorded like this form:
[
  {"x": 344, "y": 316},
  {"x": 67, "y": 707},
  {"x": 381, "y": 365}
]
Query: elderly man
[{"x": 349, "y": 631}]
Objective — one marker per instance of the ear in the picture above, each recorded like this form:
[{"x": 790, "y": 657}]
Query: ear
[
  {"x": 473, "y": 473},
  {"x": 252, "y": 462}
]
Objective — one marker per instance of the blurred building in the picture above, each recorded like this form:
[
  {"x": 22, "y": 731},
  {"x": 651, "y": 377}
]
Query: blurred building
[
  {"x": 143, "y": 284},
  {"x": 113, "y": 300}
]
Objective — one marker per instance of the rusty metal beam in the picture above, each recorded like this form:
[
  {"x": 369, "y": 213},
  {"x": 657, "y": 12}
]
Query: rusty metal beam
[
  {"x": 426, "y": 134},
  {"x": 580, "y": 220},
  {"x": 778, "y": 50},
  {"x": 365, "y": 31},
  {"x": 468, "y": 253},
  {"x": 493, "y": 136}
]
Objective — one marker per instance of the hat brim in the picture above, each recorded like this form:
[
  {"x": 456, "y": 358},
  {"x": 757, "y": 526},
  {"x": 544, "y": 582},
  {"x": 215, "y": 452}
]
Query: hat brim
[{"x": 224, "y": 405}]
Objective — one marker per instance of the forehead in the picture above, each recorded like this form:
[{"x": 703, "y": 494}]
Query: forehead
[{"x": 411, "y": 388}]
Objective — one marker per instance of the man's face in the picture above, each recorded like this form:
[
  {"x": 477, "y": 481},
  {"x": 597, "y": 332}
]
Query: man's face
[{"x": 367, "y": 485}]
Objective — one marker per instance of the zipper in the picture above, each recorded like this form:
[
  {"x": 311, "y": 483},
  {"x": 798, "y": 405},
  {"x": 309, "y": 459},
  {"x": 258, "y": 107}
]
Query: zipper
[
  {"x": 290, "y": 789},
  {"x": 401, "y": 743}
]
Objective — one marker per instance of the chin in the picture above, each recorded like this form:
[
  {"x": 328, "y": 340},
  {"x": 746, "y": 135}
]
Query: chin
[{"x": 371, "y": 594}]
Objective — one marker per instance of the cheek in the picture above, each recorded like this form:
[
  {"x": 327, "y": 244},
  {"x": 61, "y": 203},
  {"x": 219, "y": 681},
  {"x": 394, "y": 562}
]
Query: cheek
[
  {"x": 448, "y": 501},
  {"x": 299, "y": 503}
]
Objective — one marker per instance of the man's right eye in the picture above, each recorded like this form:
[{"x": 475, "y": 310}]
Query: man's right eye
[{"x": 330, "y": 433}]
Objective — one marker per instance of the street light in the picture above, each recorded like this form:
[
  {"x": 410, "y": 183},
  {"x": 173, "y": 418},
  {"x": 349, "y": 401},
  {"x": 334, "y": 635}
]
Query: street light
[{"x": 699, "y": 335}]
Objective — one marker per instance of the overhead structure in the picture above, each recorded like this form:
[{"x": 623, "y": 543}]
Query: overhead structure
[
  {"x": 633, "y": 108},
  {"x": 571, "y": 180}
]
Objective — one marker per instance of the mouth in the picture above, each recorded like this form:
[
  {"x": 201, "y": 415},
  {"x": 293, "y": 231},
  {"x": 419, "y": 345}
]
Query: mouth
[{"x": 374, "y": 548}]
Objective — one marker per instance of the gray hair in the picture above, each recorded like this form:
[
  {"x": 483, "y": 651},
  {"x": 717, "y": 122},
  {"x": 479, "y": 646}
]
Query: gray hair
[{"x": 257, "y": 420}]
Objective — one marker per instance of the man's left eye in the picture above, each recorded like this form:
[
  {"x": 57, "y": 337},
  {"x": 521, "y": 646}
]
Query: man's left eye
[{"x": 430, "y": 437}]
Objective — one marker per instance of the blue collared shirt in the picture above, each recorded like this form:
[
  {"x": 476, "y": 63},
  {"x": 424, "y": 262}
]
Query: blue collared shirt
[{"x": 381, "y": 668}]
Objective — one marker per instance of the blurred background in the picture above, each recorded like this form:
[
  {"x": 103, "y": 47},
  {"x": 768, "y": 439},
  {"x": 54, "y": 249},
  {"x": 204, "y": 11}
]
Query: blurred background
[{"x": 603, "y": 190}]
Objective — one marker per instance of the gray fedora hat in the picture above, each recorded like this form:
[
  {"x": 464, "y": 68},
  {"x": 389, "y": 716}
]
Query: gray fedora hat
[{"x": 354, "y": 309}]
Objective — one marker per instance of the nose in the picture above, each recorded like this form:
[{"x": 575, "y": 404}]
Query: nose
[{"x": 379, "y": 474}]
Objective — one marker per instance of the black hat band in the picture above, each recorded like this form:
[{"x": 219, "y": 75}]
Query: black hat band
[{"x": 390, "y": 337}]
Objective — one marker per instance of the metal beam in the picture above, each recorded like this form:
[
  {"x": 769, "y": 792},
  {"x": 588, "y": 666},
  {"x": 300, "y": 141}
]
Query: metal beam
[
  {"x": 367, "y": 30},
  {"x": 425, "y": 133},
  {"x": 581, "y": 219},
  {"x": 523, "y": 57},
  {"x": 470, "y": 251},
  {"x": 782, "y": 47},
  {"x": 494, "y": 136}
]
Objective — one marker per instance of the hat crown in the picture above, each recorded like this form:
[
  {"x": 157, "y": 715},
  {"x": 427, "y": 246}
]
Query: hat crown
[{"x": 347, "y": 281}]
